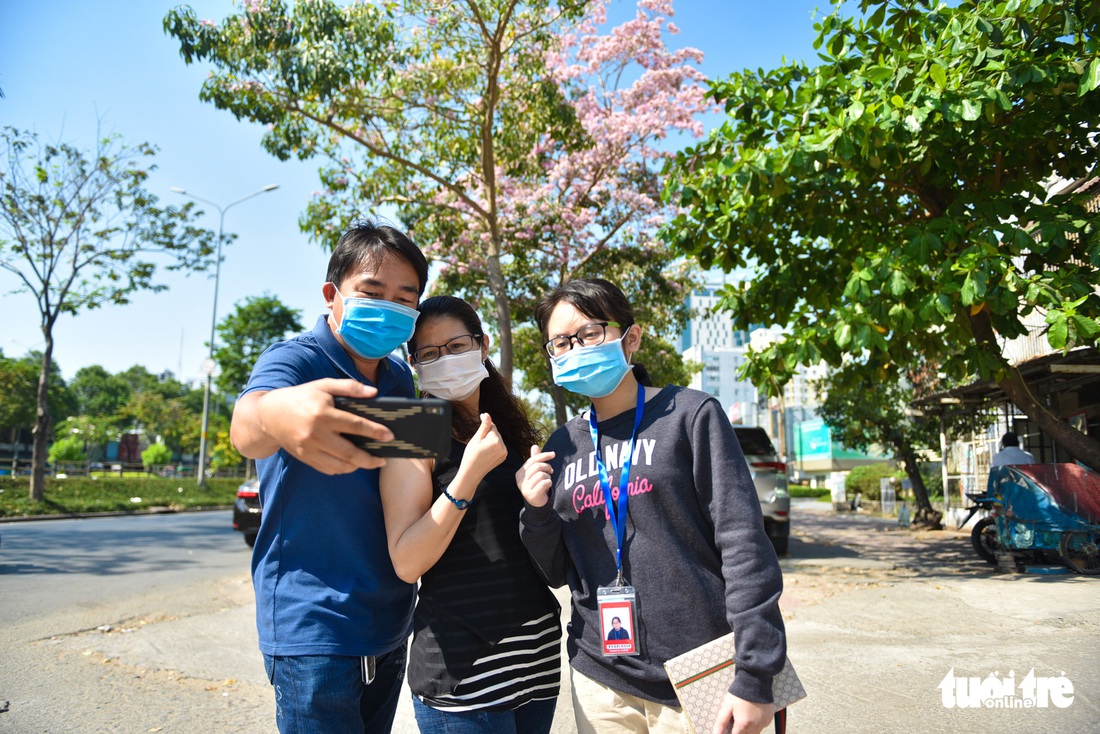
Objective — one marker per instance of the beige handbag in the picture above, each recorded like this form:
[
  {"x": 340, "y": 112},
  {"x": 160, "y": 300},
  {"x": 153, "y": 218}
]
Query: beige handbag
[{"x": 702, "y": 677}]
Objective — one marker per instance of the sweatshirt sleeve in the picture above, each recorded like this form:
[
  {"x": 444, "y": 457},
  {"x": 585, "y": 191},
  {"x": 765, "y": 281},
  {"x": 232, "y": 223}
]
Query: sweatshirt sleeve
[
  {"x": 750, "y": 568},
  {"x": 540, "y": 531}
]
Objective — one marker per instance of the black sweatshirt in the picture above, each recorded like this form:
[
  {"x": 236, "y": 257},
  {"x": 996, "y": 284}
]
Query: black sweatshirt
[{"x": 695, "y": 547}]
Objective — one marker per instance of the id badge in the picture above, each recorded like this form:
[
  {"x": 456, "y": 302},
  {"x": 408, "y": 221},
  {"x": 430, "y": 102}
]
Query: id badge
[{"x": 618, "y": 622}]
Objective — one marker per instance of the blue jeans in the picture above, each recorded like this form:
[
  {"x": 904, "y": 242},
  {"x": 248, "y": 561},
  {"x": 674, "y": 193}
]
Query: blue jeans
[
  {"x": 325, "y": 694},
  {"x": 533, "y": 717}
]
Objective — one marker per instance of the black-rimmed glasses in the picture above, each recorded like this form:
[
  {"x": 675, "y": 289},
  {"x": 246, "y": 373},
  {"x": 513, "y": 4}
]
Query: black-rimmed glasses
[
  {"x": 457, "y": 345},
  {"x": 587, "y": 336}
]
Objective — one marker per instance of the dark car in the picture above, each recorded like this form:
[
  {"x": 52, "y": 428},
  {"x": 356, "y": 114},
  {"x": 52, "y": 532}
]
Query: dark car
[
  {"x": 246, "y": 510},
  {"x": 769, "y": 474}
]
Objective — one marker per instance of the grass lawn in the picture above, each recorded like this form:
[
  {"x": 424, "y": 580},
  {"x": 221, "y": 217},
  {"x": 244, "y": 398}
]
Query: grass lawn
[{"x": 111, "y": 493}]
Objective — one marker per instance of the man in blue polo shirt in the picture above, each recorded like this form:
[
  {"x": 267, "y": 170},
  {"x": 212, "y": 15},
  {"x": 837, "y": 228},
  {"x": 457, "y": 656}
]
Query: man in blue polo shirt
[{"x": 333, "y": 617}]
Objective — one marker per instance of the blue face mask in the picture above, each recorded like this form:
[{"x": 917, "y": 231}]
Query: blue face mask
[
  {"x": 372, "y": 328},
  {"x": 594, "y": 372}
]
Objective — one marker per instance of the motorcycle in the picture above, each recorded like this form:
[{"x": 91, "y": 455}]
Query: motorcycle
[{"x": 1040, "y": 513}]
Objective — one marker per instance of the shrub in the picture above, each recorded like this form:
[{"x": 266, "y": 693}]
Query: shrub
[
  {"x": 865, "y": 479},
  {"x": 68, "y": 449},
  {"x": 799, "y": 491},
  {"x": 156, "y": 455}
]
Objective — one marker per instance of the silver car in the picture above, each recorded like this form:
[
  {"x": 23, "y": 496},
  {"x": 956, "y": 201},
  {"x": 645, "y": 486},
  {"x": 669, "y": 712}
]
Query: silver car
[{"x": 769, "y": 474}]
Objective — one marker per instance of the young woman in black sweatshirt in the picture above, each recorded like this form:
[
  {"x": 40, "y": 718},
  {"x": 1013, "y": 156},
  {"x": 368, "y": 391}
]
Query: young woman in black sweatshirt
[{"x": 690, "y": 542}]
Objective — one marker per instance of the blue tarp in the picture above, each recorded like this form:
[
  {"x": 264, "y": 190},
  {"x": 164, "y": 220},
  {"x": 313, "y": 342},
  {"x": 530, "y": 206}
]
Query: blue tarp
[{"x": 1047, "y": 497}]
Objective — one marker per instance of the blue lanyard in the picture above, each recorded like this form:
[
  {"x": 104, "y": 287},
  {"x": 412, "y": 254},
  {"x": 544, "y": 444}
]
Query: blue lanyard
[{"x": 617, "y": 510}]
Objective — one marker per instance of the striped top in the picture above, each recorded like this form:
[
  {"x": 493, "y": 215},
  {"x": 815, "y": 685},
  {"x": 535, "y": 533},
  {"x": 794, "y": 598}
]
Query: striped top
[
  {"x": 486, "y": 630},
  {"x": 520, "y": 668}
]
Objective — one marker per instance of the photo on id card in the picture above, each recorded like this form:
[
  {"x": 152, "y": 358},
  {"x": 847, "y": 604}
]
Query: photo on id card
[{"x": 617, "y": 626}]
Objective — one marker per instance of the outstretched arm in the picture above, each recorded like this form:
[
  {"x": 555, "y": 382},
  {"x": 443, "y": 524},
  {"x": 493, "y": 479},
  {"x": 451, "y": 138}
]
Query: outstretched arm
[{"x": 304, "y": 421}]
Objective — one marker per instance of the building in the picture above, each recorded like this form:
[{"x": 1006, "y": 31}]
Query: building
[{"x": 711, "y": 340}]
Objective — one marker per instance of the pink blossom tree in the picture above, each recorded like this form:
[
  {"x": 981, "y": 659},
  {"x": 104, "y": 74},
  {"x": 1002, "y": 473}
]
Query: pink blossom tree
[{"x": 521, "y": 142}]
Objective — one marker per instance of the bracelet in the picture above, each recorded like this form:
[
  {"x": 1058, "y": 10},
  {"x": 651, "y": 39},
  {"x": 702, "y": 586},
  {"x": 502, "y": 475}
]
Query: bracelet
[{"x": 460, "y": 504}]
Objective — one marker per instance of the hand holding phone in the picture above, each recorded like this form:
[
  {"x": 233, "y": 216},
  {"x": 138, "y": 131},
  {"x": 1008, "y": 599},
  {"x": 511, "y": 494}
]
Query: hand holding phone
[{"x": 421, "y": 427}]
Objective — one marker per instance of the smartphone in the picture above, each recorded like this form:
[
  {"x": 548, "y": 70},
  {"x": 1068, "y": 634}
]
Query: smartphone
[{"x": 421, "y": 426}]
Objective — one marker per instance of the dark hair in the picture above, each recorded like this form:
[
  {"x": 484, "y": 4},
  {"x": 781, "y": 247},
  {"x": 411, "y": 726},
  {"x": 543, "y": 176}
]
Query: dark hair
[
  {"x": 366, "y": 243},
  {"x": 496, "y": 399},
  {"x": 593, "y": 297},
  {"x": 1009, "y": 439}
]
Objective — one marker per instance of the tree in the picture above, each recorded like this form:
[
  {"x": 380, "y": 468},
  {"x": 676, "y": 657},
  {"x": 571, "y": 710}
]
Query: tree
[
  {"x": 243, "y": 335},
  {"x": 167, "y": 419},
  {"x": 156, "y": 454},
  {"x": 891, "y": 201},
  {"x": 80, "y": 231},
  {"x": 865, "y": 406},
  {"x": 224, "y": 454},
  {"x": 505, "y": 132},
  {"x": 98, "y": 392}
]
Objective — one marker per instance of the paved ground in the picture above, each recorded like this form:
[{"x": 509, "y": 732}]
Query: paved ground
[{"x": 877, "y": 617}]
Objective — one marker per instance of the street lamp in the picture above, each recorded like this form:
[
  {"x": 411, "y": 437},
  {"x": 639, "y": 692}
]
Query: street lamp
[{"x": 208, "y": 366}]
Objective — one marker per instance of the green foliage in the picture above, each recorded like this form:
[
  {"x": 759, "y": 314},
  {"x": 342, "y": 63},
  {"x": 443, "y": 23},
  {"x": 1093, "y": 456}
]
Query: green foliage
[
  {"x": 865, "y": 404},
  {"x": 890, "y": 201},
  {"x": 80, "y": 231},
  {"x": 156, "y": 454},
  {"x": 800, "y": 491},
  {"x": 69, "y": 448},
  {"x": 113, "y": 494},
  {"x": 933, "y": 479},
  {"x": 223, "y": 453},
  {"x": 454, "y": 114},
  {"x": 865, "y": 480},
  {"x": 243, "y": 335},
  {"x": 19, "y": 387}
]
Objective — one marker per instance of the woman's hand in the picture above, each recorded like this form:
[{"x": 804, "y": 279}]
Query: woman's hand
[
  {"x": 485, "y": 450},
  {"x": 533, "y": 478},
  {"x": 738, "y": 716}
]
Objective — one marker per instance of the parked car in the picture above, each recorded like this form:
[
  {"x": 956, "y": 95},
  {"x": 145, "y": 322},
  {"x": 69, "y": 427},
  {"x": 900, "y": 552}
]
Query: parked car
[
  {"x": 769, "y": 474},
  {"x": 246, "y": 510}
]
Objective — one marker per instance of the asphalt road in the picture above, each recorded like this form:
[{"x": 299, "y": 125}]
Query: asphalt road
[
  {"x": 84, "y": 563},
  {"x": 148, "y": 626}
]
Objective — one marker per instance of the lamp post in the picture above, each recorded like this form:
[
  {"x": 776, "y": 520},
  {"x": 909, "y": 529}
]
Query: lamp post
[{"x": 208, "y": 366}]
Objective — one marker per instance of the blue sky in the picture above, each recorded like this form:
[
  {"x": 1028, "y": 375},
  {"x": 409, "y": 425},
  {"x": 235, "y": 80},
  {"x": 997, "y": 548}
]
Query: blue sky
[{"x": 67, "y": 66}]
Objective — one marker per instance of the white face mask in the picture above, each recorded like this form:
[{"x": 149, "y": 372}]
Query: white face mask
[{"x": 453, "y": 377}]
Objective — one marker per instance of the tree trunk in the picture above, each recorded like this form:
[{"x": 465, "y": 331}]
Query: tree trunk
[
  {"x": 15, "y": 452},
  {"x": 504, "y": 317},
  {"x": 41, "y": 424},
  {"x": 1078, "y": 445},
  {"x": 912, "y": 470},
  {"x": 557, "y": 393}
]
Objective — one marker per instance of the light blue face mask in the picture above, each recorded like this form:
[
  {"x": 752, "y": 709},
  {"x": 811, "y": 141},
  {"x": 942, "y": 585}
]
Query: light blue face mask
[
  {"x": 594, "y": 372},
  {"x": 372, "y": 328}
]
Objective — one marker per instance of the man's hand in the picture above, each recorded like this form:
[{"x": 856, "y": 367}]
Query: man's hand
[
  {"x": 738, "y": 716},
  {"x": 533, "y": 478},
  {"x": 304, "y": 421}
]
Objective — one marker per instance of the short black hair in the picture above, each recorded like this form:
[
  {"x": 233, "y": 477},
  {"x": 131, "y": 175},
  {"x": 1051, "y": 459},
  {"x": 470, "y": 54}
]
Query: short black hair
[
  {"x": 1009, "y": 439},
  {"x": 366, "y": 243}
]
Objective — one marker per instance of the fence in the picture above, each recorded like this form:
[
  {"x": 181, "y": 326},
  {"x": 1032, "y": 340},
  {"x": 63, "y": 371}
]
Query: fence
[{"x": 22, "y": 467}]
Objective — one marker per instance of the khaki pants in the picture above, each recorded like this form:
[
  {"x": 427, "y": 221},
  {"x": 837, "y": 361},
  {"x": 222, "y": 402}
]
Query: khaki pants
[{"x": 600, "y": 709}]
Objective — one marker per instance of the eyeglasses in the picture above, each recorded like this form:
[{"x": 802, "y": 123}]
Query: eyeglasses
[
  {"x": 587, "y": 336},
  {"x": 458, "y": 345}
]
